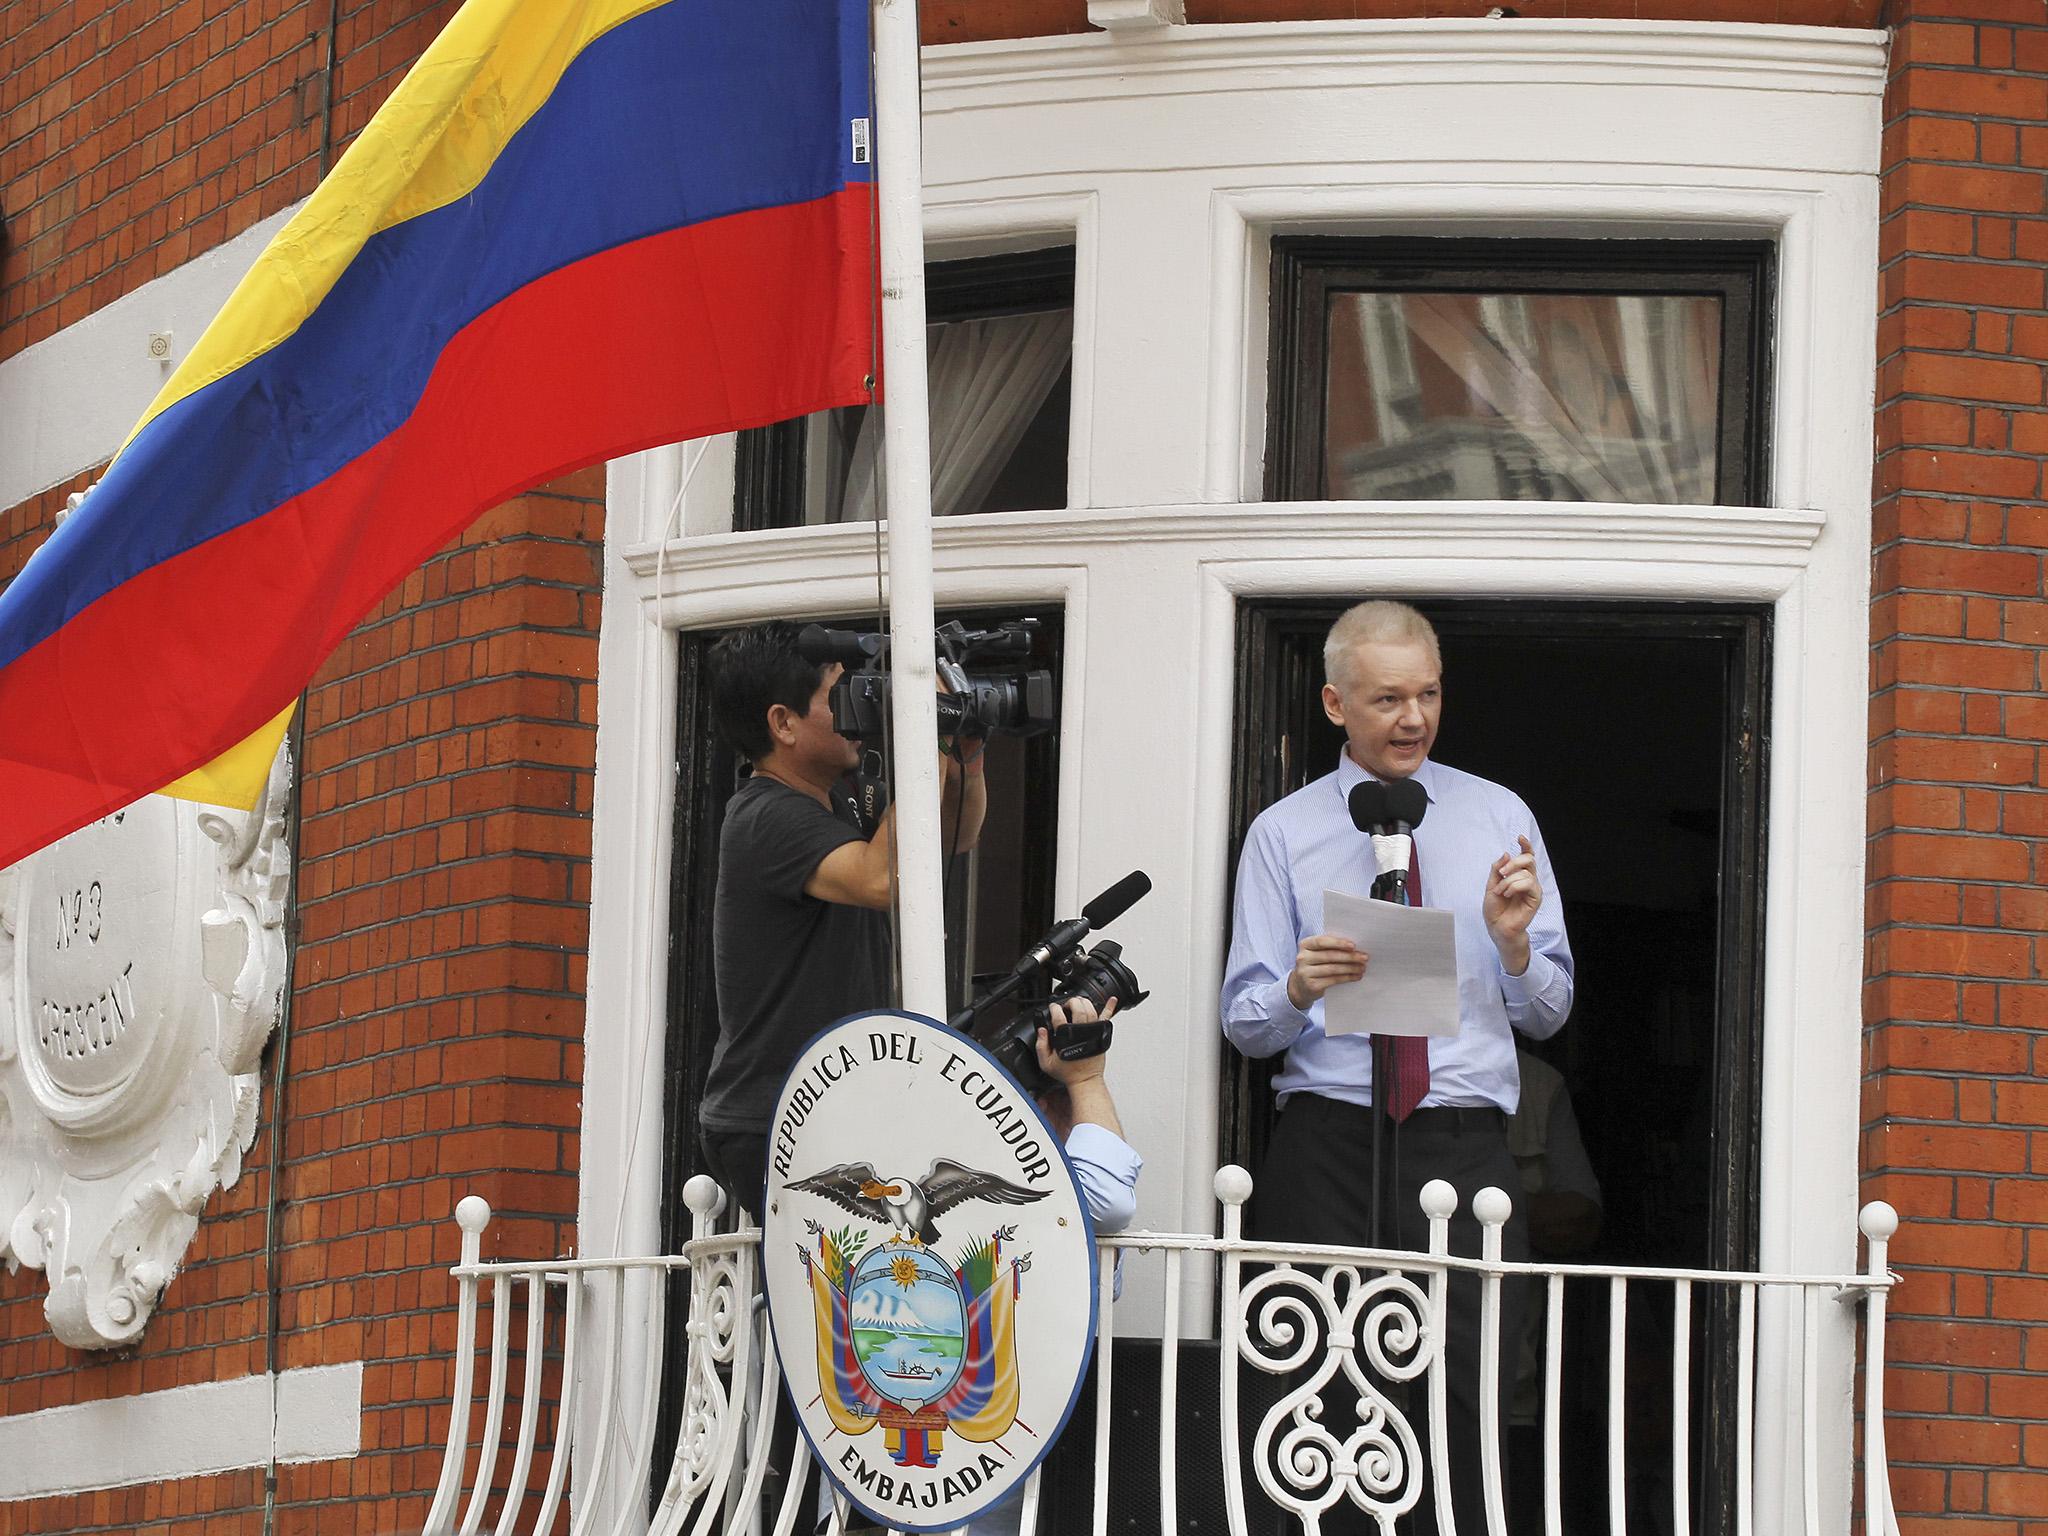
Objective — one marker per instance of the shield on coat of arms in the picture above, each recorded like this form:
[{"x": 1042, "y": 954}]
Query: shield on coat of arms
[
  {"x": 909, "y": 1324},
  {"x": 930, "y": 1270}
]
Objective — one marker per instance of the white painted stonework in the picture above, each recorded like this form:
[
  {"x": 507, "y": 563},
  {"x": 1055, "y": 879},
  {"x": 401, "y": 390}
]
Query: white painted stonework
[
  {"x": 1171, "y": 157},
  {"x": 67, "y": 402},
  {"x": 311, "y": 1414},
  {"x": 142, "y": 968}
]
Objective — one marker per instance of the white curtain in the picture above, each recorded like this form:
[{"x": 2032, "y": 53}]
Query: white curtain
[{"x": 987, "y": 380}]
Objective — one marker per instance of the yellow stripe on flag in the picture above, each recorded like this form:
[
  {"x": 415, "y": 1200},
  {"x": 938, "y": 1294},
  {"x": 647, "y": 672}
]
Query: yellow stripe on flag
[
  {"x": 237, "y": 777},
  {"x": 489, "y": 71}
]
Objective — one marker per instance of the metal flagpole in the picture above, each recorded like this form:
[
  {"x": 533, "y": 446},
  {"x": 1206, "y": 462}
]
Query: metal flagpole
[{"x": 907, "y": 483}]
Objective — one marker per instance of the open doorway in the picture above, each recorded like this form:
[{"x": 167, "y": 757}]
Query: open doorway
[{"x": 1638, "y": 735}]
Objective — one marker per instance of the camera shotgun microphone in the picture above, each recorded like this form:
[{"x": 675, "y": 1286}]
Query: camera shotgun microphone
[
  {"x": 1064, "y": 939},
  {"x": 1099, "y": 913},
  {"x": 1389, "y": 813}
]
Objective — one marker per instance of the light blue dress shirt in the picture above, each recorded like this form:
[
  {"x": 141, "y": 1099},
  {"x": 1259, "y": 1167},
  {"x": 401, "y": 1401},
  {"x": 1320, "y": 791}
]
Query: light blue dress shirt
[
  {"x": 1306, "y": 844},
  {"x": 1107, "y": 1168}
]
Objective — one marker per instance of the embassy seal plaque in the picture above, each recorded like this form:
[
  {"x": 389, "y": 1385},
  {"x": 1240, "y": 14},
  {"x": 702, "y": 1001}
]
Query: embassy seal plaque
[
  {"x": 142, "y": 968},
  {"x": 930, "y": 1270}
]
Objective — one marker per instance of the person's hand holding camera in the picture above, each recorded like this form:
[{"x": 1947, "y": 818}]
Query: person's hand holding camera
[
  {"x": 1078, "y": 1011},
  {"x": 1088, "y": 1100}
]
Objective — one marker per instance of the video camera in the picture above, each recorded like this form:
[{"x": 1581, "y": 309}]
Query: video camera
[
  {"x": 1000, "y": 701},
  {"x": 1098, "y": 976}
]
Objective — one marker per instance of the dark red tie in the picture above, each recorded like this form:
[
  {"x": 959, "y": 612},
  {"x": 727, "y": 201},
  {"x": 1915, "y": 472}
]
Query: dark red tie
[{"x": 1408, "y": 1061}]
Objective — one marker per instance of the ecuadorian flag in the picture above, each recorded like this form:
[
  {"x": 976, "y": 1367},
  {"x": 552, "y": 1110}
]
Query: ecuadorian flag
[{"x": 577, "y": 229}]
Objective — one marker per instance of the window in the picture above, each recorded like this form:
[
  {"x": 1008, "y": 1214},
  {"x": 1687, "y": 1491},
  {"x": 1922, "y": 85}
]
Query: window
[
  {"x": 999, "y": 899},
  {"x": 1000, "y": 349},
  {"x": 1494, "y": 370}
]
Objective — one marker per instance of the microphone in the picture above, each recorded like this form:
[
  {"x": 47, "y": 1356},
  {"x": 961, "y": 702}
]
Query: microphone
[
  {"x": 1066, "y": 936},
  {"x": 1389, "y": 813},
  {"x": 1118, "y": 899},
  {"x": 1063, "y": 939},
  {"x": 819, "y": 645}
]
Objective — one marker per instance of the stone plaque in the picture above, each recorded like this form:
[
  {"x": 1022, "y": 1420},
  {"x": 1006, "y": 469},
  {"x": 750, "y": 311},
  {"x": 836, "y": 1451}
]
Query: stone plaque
[
  {"x": 142, "y": 968},
  {"x": 96, "y": 950}
]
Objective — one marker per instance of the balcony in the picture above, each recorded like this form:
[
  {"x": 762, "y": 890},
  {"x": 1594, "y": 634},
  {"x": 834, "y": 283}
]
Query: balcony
[{"x": 1297, "y": 1405}]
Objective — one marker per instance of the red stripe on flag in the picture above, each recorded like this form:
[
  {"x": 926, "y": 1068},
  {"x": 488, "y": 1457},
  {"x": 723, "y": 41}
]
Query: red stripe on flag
[{"x": 702, "y": 330}]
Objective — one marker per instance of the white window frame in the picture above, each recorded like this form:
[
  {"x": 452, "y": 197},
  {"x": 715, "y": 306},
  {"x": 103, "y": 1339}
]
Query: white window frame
[{"x": 1172, "y": 160}]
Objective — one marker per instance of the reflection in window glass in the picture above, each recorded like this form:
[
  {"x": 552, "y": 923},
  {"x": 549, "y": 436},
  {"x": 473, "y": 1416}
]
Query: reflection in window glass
[
  {"x": 1523, "y": 396},
  {"x": 1000, "y": 388}
]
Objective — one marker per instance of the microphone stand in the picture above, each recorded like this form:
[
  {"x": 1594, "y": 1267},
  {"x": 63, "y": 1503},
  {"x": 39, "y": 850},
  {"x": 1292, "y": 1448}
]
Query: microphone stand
[{"x": 1386, "y": 1130}]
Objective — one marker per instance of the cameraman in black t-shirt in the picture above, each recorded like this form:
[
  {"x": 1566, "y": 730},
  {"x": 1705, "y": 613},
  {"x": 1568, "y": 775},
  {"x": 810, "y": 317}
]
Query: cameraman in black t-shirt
[{"x": 800, "y": 935}]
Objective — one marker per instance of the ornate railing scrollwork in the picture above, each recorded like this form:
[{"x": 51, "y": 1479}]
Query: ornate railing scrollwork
[
  {"x": 1335, "y": 1350},
  {"x": 1316, "y": 1327}
]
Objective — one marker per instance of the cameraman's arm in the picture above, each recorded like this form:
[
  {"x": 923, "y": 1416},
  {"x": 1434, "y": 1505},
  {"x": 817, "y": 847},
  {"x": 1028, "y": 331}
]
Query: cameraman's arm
[
  {"x": 1087, "y": 1094},
  {"x": 1105, "y": 1165},
  {"x": 857, "y": 874},
  {"x": 963, "y": 797}
]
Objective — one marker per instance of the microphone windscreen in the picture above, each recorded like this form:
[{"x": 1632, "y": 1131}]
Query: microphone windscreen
[
  {"x": 1407, "y": 801},
  {"x": 1118, "y": 899},
  {"x": 1369, "y": 805}
]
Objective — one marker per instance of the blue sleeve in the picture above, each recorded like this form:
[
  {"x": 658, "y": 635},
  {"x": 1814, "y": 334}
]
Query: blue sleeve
[
  {"x": 1258, "y": 1017},
  {"x": 1540, "y": 999},
  {"x": 1107, "y": 1168}
]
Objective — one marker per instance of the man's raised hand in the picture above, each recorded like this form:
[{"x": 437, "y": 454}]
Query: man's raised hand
[{"x": 1514, "y": 894}]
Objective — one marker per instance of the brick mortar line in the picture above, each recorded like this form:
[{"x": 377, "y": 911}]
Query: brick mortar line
[
  {"x": 401, "y": 1095},
  {"x": 2037, "y": 598},
  {"x": 1903, "y": 975},
  {"x": 451, "y": 777},
  {"x": 463, "y": 861},
  {"x": 2032, "y": 935},
  {"x": 1903, "y": 926},
  {"x": 439, "y": 999},
  {"x": 380, "y": 711},
  {"x": 1962, "y": 210},
  {"x": 413, "y": 962},
  {"x": 572, "y": 860},
  {"x": 485, "y": 903}
]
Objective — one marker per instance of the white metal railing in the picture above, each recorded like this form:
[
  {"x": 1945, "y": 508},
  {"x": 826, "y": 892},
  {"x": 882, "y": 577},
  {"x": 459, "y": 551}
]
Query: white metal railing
[{"x": 1363, "y": 1321}]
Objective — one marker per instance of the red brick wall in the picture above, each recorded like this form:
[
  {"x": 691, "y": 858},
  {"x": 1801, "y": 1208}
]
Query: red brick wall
[
  {"x": 1955, "y": 1103},
  {"x": 136, "y": 134},
  {"x": 435, "y": 1037},
  {"x": 443, "y": 880}
]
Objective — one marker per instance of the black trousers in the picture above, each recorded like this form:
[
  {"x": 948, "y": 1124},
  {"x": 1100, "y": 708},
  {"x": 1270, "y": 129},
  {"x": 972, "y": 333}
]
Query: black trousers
[
  {"x": 1316, "y": 1186},
  {"x": 739, "y": 1161}
]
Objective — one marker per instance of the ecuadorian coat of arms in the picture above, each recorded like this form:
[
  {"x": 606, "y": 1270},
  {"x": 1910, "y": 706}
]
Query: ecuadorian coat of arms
[{"x": 899, "y": 1330}]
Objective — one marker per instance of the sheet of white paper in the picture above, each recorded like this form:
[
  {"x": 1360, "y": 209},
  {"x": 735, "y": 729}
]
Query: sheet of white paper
[{"x": 1410, "y": 986}]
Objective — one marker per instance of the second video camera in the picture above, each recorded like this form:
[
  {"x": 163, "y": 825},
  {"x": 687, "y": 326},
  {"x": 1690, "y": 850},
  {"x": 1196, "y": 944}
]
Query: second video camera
[
  {"x": 1098, "y": 975},
  {"x": 996, "y": 700}
]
